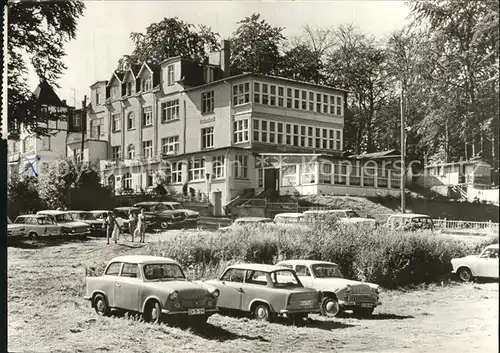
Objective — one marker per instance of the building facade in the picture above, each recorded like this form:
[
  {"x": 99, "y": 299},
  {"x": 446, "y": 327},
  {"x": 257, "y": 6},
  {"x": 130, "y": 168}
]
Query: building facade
[{"x": 198, "y": 127}]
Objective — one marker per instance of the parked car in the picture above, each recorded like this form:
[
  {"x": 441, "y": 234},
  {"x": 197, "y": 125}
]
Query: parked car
[
  {"x": 410, "y": 221},
  {"x": 15, "y": 230},
  {"x": 100, "y": 214},
  {"x": 243, "y": 221},
  {"x": 484, "y": 265},
  {"x": 292, "y": 220},
  {"x": 191, "y": 216},
  {"x": 122, "y": 214},
  {"x": 152, "y": 286},
  {"x": 35, "y": 225},
  {"x": 67, "y": 224},
  {"x": 266, "y": 291},
  {"x": 163, "y": 217},
  {"x": 338, "y": 293},
  {"x": 344, "y": 216},
  {"x": 97, "y": 226}
]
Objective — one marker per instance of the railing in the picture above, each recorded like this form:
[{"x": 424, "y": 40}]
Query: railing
[
  {"x": 466, "y": 226},
  {"x": 282, "y": 206},
  {"x": 254, "y": 203}
]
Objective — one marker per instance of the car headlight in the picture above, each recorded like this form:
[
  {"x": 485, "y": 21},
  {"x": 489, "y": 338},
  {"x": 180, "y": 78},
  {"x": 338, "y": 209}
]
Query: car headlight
[
  {"x": 216, "y": 293},
  {"x": 174, "y": 295},
  {"x": 348, "y": 289},
  {"x": 378, "y": 290}
]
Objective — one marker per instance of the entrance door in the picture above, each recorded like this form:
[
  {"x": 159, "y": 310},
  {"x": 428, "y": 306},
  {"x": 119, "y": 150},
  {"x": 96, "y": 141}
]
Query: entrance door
[
  {"x": 217, "y": 202},
  {"x": 271, "y": 179}
]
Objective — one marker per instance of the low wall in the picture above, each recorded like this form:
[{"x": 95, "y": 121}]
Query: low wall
[
  {"x": 342, "y": 190},
  {"x": 486, "y": 195},
  {"x": 251, "y": 212}
]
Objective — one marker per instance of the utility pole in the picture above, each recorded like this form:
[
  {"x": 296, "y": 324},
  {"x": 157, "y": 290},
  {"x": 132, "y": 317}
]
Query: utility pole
[
  {"x": 83, "y": 122},
  {"x": 403, "y": 152}
]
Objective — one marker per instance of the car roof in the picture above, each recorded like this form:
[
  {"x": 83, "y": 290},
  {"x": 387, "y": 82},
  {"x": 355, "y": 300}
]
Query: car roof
[
  {"x": 144, "y": 259},
  {"x": 305, "y": 262},
  {"x": 289, "y": 214},
  {"x": 171, "y": 203},
  {"x": 50, "y": 212},
  {"x": 147, "y": 203},
  {"x": 31, "y": 215},
  {"x": 124, "y": 208},
  {"x": 75, "y": 211},
  {"x": 409, "y": 215},
  {"x": 257, "y": 267},
  {"x": 492, "y": 246},
  {"x": 99, "y": 211},
  {"x": 253, "y": 219}
]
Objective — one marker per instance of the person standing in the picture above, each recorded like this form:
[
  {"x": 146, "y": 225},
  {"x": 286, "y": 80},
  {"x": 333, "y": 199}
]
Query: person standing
[
  {"x": 110, "y": 222},
  {"x": 132, "y": 223},
  {"x": 117, "y": 228},
  {"x": 141, "y": 226}
]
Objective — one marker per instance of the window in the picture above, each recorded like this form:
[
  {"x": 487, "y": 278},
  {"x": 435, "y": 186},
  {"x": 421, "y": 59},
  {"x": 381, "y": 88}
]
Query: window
[
  {"x": 318, "y": 103},
  {"x": 241, "y": 93},
  {"x": 149, "y": 179},
  {"x": 303, "y": 100},
  {"x": 256, "y": 92},
  {"x": 130, "y": 270},
  {"x": 234, "y": 275},
  {"x": 146, "y": 84},
  {"x": 311, "y": 101},
  {"x": 174, "y": 173},
  {"x": 256, "y": 130},
  {"x": 308, "y": 173},
  {"x": 272, "y": 95},
  {"x": 295, "y": 135},
  {"x": 325, "y": 103},
  {"x": 127, "y": 181},
  {"x": 97, "y": 98},
  {"x": 116, "y": 152},
  {"x": 260, "y": 178},
  {"x": 256, "y": 277},
  {"x": 147, "y": 117},
  {"x": 96, "y": 127},
  {"x": 325, "y": 139},
  {"x": 114, "y": 269},
  {"x": 170, "y": 110},
  {"x": 131, "y": 151},
  {"x": 325, "y": 175},
  {"x": 77, "y": 155},
  {"x": 289, "y": 98},
  {"x": 302, "y": 270},
  {"x": 147, "y": 149},
  {"x": 281, "y": 96},
  {"x": 130, "y": 121},
  {"x": 288, "y": 134},
  {"x": 340, "y": 106},
  {"x": 129, "y": 88},
  {"x": 289, "y": 173},
  {"x": 241, "y": 167},
  {"x": 196, "y": 169},
  {"x": 218, "y": 167},
  {"x": 207, "y": 102},
  {"x": 76, "y": 119},
  {"x": 170, "y": 145},
  {"x": 331, "y": 139},
  {"x": 170, "y": 75},
  {"x": 208, "y": 74},
  {"x": 279, "y": 135},
  {"x": 265, "y": 93},
  {"x": 207, "y": 137},
  {"x": 116, "y": 122},
  {"x": 338, "y": 140},
  {"x": 240, "y": 131},
  {"x": 296, "y": 99}
]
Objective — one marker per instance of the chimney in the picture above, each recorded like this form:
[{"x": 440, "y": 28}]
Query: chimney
[
  {"x": 64, "y": 102},
  {"x": 224, "y": 58}
]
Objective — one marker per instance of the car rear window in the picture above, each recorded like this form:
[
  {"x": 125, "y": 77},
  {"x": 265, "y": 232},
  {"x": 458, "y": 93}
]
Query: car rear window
[
  {"x": 113, "y": 269},
  {"x": 285, "y": 278}
]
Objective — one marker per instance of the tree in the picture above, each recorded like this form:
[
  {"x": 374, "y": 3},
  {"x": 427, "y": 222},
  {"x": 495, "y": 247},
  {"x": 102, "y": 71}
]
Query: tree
[
  {"x": 300, "y": 63},
  {"x": 168, "y": 38},
  {"x": 23, "y": 196},
  {"x": 68, "y": 184},
  {"x": 255, "y": 46},
  {"x": 37, "y": 32}
]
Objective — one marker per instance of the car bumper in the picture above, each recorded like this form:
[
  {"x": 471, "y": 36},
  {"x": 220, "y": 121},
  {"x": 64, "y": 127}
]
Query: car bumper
[
  {"x": 295, "y": 311},
  {"x": 185, "y": 312},
  {"x": 346, "y": 305},
  {"x": 79, "y": 233}
]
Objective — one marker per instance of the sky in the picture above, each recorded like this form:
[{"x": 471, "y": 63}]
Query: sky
[{"x": 104, "y": 30}]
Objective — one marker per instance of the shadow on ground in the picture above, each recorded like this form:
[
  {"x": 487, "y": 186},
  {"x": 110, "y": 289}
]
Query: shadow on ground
[
  {"x": 381, "y": 316},
  {"x": 42, "y": 242}
]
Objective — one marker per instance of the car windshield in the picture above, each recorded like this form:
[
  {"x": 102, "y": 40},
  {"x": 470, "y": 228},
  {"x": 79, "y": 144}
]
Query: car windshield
[
  {"x": 351, "y": 214},
  {"x": 63, "y": 217},
  {"x": 83, "y": 216},
  {"x": 285, "y": 278},
  {"x": 176, "y": 206},
  {"x": 163, "y": 272},
  {"x": 20, "y": 220},
  {"x": 491, "y": 253},
  {"x": 326, "y": 271}
]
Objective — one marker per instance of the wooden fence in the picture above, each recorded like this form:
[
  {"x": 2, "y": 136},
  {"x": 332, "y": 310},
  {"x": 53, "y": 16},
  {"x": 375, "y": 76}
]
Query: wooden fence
[{"x": 466, "y": 226}]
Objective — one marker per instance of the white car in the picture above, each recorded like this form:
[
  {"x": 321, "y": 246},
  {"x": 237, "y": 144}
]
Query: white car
[
  {"x": 191, "y": 216},
  {"x": 339, "y": 293},
  {"x": 246, "y": 221},
  {"x": 15, "y": 230},
  {"x": 484, "y": 265},
  {"x": 344, "y": 216}
]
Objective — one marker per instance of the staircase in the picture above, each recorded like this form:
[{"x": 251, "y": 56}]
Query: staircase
[{"x": 458, "y": 192}]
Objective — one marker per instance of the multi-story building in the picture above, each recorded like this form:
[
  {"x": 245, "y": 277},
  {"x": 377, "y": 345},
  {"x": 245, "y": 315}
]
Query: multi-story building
[
  {"x": 196, "y": 124},
  {"x": 26, "y": 156}
]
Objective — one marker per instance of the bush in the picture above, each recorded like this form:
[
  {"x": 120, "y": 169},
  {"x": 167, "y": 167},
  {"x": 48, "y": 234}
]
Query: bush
[{"x": 386, "y": 257}]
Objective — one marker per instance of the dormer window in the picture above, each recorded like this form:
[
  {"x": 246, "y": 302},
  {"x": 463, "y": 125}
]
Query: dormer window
[
  {"x": 170, "y": 75},
  {"x": 146, "y": 84},
  {"x": 97, "y": 98},
  {"x": 129, "y": 88},
  {"x": 208, "y": 74}
]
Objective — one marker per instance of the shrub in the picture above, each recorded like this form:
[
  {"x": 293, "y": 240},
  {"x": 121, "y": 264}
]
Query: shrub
[{"x": 386, "y": 257}]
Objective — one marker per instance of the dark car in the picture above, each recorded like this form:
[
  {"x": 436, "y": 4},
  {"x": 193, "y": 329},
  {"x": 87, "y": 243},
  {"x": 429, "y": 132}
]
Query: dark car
[
  {"x": 163, "y": 217},
  {"x": 97, "y": 227}
]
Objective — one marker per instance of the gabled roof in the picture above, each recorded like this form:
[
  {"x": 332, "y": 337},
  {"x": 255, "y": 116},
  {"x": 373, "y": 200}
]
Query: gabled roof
[
  {"x": 45, "y": 95},
  {"x": 117, "y": 75}
]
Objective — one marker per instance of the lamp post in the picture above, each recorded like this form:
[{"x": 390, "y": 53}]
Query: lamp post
[{"x": 403, "y": 149}]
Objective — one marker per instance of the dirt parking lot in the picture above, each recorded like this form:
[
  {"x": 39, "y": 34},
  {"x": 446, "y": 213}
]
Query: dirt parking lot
[{"x": 46, "y": 313}]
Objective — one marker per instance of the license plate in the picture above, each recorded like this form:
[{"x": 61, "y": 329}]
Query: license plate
[
  {"x": 366, "y": 305},
  {"x": 196, "y": 311},
  {"x": 306, "y": 303}
]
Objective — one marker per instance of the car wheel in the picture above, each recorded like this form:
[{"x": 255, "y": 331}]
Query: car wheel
[
  {"x": 101, "y": 305},
  {"x": 465, "y": 274},
  {"x": 363, "y": 312},
  {"x": 329, "y": 306},
  {"x": 32, "y": 235},
  {"x": 164, "y": 225},
  {"x": 152, "y": 313},
  {"x": 262, "y": 313}
]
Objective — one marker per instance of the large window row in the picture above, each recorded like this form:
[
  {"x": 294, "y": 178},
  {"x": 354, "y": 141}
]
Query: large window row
[
  {"x": 196, "y": 169},
  {"x": 288, "y": 97},
  {"x": 296, "y": 135}
]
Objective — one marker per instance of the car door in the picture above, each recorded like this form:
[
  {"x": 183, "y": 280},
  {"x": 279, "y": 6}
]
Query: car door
[
  {"x": 109, "y": 282},
  {"x": 231, "y": 289},
  {"x": 252, "y": 288},
  {"x": 50, "y": 227},
  {"x": 487, "y": 264},
  {"x": 304, "y": 275},
  {"x": 127, "y": 287}
]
